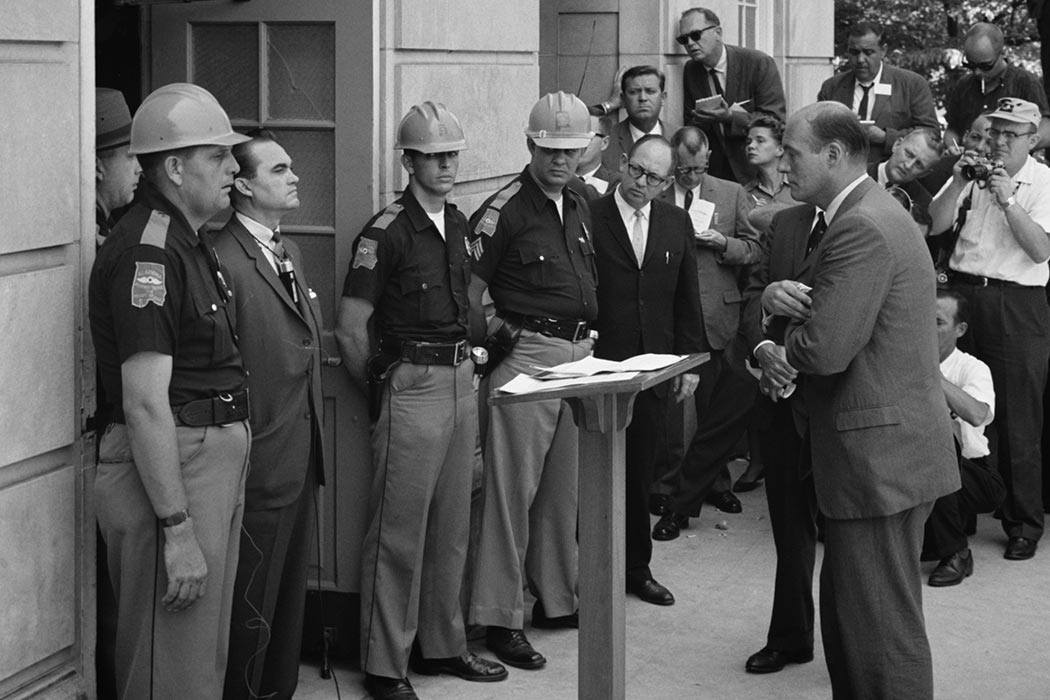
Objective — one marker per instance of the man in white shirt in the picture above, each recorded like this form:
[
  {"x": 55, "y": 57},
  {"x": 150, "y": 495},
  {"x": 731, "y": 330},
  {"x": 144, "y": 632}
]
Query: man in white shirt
[
  {"x": 967, "y": 384},
  {"x": 643, "y": 94},
  {"x": 999, "y": 264}
]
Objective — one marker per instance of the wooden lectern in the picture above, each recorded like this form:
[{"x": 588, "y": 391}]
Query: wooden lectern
[{"x": 602, "y": 411}]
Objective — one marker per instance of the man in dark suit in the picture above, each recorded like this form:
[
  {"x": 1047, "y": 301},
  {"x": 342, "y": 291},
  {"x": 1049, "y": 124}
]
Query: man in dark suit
[
  {"x": 642, "y": 92},
  {"x": 278, "y": 322},
  {"x": 789, "y": 479},
  {"x": 911, "y": 157},
  {"x": 725, "y": 244},
  {"x": 746, "y": 79},
  {"x": 864, "y": 343},
  {"x": 648, "y": 301},
  {"x": 889, "y": 100}
]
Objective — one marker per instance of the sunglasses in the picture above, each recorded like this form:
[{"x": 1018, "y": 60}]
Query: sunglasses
[
  {"x": 693, "y": 36},
  {"x": 984, "y": 67}
]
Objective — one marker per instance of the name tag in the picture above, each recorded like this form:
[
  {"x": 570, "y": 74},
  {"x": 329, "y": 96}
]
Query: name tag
[{"x": 883, "y": 89}]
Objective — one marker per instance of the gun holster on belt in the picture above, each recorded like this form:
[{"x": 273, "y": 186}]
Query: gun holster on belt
[
  {"x": 501, "y": 338},
  {"x": 377, "y": 371}
]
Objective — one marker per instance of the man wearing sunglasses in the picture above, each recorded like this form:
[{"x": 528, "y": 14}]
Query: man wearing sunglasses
[
  {"x": 889, "y": 100},
  {"x": 999, "y": 264},
  {"x": 990, "y": 78},
  {"x": 747, "y": 81}
]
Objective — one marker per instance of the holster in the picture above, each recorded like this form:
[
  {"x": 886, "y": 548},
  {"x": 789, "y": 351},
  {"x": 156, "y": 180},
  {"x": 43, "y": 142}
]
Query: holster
[
  {"x": 501, "y": 338},
  {"x": 377, "y": 371}
]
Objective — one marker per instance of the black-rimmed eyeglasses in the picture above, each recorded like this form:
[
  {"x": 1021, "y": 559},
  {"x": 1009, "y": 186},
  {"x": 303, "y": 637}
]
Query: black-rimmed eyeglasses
[
  {"x": 693, "y": 36},
  {"x": 652, "y": 179}
]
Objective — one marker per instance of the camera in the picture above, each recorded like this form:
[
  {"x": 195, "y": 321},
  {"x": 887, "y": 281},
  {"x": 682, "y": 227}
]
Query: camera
[{"x": 980, "y": 170}]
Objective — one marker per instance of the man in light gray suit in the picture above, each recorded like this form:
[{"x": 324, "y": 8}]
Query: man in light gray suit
[{"x": 864, "y": 343}]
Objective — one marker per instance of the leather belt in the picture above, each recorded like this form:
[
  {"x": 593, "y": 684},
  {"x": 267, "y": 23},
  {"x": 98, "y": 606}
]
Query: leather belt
[
  {"x": 217, "y": 410},
  {"x": 979, "y": 281},
  {"x": 420, "y": 352},
  {"x": 574, "y": 330}
]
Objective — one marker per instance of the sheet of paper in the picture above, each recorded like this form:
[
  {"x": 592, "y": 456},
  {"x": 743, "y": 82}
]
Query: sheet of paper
[
  {"x": 649, "y": 362},
  {"x": 701, "y": 212},
  {"x": 524, "y": 384},
  {"x": 590, "y": 366}
]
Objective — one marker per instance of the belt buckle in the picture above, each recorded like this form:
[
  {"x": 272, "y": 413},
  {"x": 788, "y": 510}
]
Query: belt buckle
[
  {"x": 459, "y": 353},
  {"x": 580, "y": 332},
  {"x": 984, "y": 280}
]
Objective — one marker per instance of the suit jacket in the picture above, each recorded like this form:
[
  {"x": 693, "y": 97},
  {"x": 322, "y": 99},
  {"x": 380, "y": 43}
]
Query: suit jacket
[
  {"x": 281, "y": 345},
  {"x": 721, "y": 274},
  {"x": 879, "y": 425},
  {"x": 620, "y": 142},
  {"x": 655, "y": 308},
  {"x": 909, "y": 104},
  {"x": 750, "y": 75},
  {"x": 590, "y": 192},
  {"x": 917, "y": 192}
]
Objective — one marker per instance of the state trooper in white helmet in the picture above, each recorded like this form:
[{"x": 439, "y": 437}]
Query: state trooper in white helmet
[
  {"x": 409, "y": 276},
  {"x": 170, "y": 482},
  {"x": 533, "y": 252}
]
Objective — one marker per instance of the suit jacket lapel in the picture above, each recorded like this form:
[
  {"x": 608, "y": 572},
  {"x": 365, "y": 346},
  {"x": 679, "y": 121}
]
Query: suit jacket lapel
[
  {"x": 262, "y": 265},
  {"x": 614, "y": 225},
  {"x": 882, "y": 102},
  {"x": 833, "y": 226}
]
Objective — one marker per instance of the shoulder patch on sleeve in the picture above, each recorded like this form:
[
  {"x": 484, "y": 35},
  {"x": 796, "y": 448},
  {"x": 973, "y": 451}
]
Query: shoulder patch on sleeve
[
  {"x": 156, "y": 231},
  {"x": 148, "y": 286},
  {"x": 366, "y": 253},
  {"x": 387, "y": 218},
  {"x": 487, "y": 223}
]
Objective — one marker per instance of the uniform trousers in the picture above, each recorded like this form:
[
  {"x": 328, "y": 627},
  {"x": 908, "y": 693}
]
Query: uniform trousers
[
  {"x": 871, "y": 617},
  {"x": 793, "y": 519},
  {"x": 724, "y": 401},
  {"x": 266, "y": 626},
  {"x": 528, "y": 520},
  {"x": 1010, "y": 332},
  {"x": 982, "y": 492},
  {"x": 161, "y": 654},
  {"x": 415, "y": 547}
]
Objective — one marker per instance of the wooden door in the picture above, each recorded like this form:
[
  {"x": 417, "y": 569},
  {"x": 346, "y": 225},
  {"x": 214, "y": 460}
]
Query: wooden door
[{"x": 303, "y": 70}]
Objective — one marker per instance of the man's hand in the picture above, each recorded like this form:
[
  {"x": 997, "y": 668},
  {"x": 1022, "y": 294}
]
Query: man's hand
[
  {"x": 967, "y": 158},
  {"x": 684, "y": 386},
  {"x": 875, "y": 134},
  {"x": 185, "y": 567},
  {"x": 1002, "y": 186},
  {"x": 768, "y": 388},
  {"x": 722, "y": 114},
  {"x": 787, "y": 298},
  {"x": 709, "y": 238},
  {"x": 773, "y": 360}
]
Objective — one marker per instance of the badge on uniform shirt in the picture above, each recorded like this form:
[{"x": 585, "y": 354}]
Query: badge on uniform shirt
[
  {"x": 366, "y": 254},
  {"x": 488, "y": 222},
  {"x": 148, "y": 286},
  {"x": 476, "y": 248}
]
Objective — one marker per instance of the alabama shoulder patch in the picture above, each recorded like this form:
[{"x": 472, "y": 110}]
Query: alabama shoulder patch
[
  {"x": 148, "y": 286},
  {"x": 366, "y": 253}
]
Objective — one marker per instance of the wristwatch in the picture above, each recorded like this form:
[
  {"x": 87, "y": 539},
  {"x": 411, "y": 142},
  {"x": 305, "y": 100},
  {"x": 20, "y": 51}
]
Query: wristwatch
[
  {"x": 1009, "y": 203},
  {"x": 175, "y": 519}
]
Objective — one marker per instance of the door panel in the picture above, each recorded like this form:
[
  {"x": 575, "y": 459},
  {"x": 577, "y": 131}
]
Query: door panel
[{"x": 277, "y": 64}]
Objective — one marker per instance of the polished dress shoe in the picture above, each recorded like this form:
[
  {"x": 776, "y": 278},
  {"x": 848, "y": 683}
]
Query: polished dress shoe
[
  {"x": 562, "y": 622},
  {"x": 383, "y": 688},
  {"x": 660, "y": 503},
  {"x": 743, "y": 485},
  {"x": 952, "y": 569},
  {"x": 725, "y": 502},
  {"x": 649, "y": 590},
  {"x": 772, "y": 660},
  {"x": 512, "y": 647},
  {"x": 1018, "y": 548},
  {"x": 669, "y": 525},
  {"x": 468, "y": 666}
]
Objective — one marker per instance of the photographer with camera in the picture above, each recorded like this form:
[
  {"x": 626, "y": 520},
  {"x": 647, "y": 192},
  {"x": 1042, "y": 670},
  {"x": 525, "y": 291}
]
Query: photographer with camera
[{"x": 1002, "y": 218}]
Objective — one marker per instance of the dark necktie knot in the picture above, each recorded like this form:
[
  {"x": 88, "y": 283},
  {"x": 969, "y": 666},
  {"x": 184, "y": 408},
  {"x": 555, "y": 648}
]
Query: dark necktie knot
[
  {"x": 688, "y": 201},
  {"x": 278, "y": 246},
  {"x": 817, "y": 233},
  {"x": 862, "y": 108},
  {"x": 715, "y": 81}
]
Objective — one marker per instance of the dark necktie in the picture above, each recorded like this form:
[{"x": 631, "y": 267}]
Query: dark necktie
[
  {"x": 285, "y": 271},
  {"x": 817, "y": 233},
  {"x": 862, "y": 110},
  {"x": 714, "y": 81},
  {"x": 688, "y": 202}
]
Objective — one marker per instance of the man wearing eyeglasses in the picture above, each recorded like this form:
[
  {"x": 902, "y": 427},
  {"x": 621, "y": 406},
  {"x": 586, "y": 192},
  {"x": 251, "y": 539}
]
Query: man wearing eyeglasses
[
  {"x": 911, "y": 157},
  {"x": 746, "y": 80},
  {"x": 889, "y": 100},
  {"x": 990, "y": 79},
  {"x": 648, "y": 301},
  {"x": 725, "y": 244},
  {"x": 642, "y": 94},
  {"x": 999, "y": 264}
]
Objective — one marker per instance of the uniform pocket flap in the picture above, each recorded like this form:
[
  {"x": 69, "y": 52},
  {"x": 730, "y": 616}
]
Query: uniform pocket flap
[
  {"x": 531, "y": 253},
  {"x": 868, "y": 418},
  {"x": 419, "y": 283}
]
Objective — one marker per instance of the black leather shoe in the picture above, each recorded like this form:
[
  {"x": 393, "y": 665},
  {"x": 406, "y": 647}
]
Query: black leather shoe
[
  {"x": 743, "y": 485},
  {"x": 512, "y": 647},
  {"x": 1019, "y": 548},
  {"x": 562, "y": 622},
  {"x": 952, "y": 569},
  {"x": 469, "y": 667},
  {"x": 725, "y": 502},
  {"x": 772, "y": 660},
  {"x": 669, "y": 525},
  {"x": 660, "y": 503},
  {"x": 650, "y": 591},
  {"x": 383, "y": 688}
]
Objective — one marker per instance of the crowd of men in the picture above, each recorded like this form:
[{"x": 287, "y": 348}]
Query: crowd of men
[{"x": 829, "y": 261}]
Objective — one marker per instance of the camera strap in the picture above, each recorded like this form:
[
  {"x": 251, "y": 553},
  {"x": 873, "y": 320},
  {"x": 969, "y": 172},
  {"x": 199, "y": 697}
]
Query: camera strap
[{"x": 947, "y": 248}]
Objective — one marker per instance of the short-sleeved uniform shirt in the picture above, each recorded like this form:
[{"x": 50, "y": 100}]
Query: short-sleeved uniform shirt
[
  {"x": 534, "y": 263},
  {"x": 415, "y": 280},
  {"x": 965, "y": 101},
  {"x": 155, "y": 288}
]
